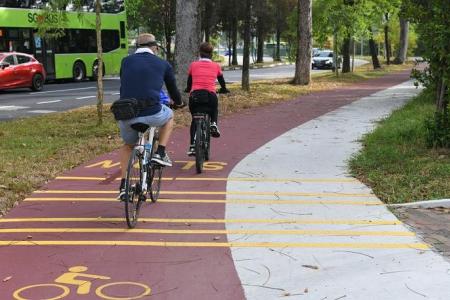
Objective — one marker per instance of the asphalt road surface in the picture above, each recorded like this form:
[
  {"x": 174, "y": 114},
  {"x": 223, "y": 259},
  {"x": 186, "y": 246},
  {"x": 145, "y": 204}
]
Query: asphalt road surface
[{"x": 57, "y": 97}]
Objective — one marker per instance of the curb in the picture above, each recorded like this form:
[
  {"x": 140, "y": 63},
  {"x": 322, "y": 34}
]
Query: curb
[
  {"x": 232, "y": 68},
  {"x": 425, "y": 204}
]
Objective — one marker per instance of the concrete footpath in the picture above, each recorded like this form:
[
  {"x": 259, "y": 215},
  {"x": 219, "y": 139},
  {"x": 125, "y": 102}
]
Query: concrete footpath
[
  {"x": 274, "y": 215},
  {"x": 347, "y": 244}
]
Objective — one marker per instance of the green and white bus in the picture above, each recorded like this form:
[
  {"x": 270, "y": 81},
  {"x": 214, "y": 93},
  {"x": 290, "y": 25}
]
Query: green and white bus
[{"x": 74, "y": 55}]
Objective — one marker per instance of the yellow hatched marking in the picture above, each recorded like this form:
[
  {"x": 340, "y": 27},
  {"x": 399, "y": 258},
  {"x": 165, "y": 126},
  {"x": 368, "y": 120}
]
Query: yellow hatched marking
[
  {"x": 210, "y": 231},
  {"x": 229, "y": 201},
  {"x": 217, "y": 193},
  {"x": 213, "y": 221},
  {"x": 417, "y": 246},
  {"x": 95, "y": 178},
  {"x": 251, "y": 179}
]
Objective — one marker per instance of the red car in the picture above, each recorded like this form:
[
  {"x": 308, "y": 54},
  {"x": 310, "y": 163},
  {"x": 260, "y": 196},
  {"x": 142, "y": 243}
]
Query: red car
[{"x": 20, "y": 70}]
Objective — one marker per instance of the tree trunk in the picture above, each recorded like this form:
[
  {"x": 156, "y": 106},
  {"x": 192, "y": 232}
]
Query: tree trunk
[
  {"x": 335, "y": 54},
  {"x": 260, "y": 49},
  {"x": 277, "y": 49},
  {"x": 304, "y": 31},
  {"x": 373, "y": 51},
  {"x": 247, "y": 37},
  {"x": 387, "y": 42},
  {"x": 169, "y": 57},
  {"x": 441, "y": 101},
  {"x": 188, "y": 29},
  {"x": 346, "y": 55},
  {"x": 234, "y": 38},
  {"x": 403, "y": 48},
  {"x": 98, "y": 29}
]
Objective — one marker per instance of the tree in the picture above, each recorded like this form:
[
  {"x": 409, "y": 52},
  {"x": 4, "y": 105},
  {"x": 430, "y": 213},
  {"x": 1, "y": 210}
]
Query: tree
[
  {"x": 282, "y": 8},
  {"x": 263, "y": 14},
  {"x": 53, "y": 30},
  {"x": 188, "y": 37},
  {"x": 403, "y": 45},
  {"x": 303, "y": 62},
  {"x": 247, "y": 37}
]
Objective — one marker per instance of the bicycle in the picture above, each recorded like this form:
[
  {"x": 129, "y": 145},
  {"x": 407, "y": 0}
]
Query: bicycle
[
  {"x": 202, "y": 139},
  {"x": 143, "y": 176}
]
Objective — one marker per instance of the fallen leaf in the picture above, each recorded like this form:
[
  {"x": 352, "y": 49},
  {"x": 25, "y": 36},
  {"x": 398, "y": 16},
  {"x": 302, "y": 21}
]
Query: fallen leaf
[
  {"x": 306, "y": 290},
  {"x": 311, "y": 267},
  {"x": 7, "y": 278},
  {"x": 29, "y": 237},
  {"x": 216, "y": 238}
]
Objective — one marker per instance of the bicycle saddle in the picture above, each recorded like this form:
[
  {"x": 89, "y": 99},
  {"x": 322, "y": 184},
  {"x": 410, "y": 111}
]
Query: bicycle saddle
[{"x": 141, "y": 127}]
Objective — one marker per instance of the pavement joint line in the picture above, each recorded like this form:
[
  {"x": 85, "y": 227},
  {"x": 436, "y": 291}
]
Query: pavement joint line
[
  {"x": 210, "y": 231},
  {"x": 208, "y": 221},
  {"x": 415, "y": 246},
  {"x": 218, "y": 201},
  {"x": 216, "y": 193},
  {"x": 251, "y": 179}
]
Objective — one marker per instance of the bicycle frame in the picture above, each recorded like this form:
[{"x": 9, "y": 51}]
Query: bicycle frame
[{"x": 145, "y": 138}]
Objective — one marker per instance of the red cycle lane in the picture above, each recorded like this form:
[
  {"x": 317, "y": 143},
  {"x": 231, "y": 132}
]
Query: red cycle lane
[{"x": 69, "y": 240}]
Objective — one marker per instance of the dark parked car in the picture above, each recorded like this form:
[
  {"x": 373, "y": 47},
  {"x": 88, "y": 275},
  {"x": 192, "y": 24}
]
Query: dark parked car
[{"x": 20, "y": 70}]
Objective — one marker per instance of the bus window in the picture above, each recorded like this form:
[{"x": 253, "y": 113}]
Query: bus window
[{"x": 110, "y": 40}]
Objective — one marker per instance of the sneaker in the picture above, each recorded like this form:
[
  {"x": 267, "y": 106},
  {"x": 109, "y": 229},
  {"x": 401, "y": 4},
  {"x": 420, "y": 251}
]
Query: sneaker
[
  {"x": 122, "y": 194},
  {"x": 214, "y": 130},
  {"x": 191, "y": 151},
  {"x": 164, "y": 161}
]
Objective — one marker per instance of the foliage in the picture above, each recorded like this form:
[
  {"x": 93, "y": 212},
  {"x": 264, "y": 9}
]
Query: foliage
[
  {"x": 433, "y": 26},
  {"x": 438, "y": 129},
  {"x": 396, "y": 162}
]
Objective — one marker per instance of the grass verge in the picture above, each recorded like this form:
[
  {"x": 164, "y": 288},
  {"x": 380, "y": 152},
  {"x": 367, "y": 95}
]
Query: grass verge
[
  {"x": 395, "y": 161},
  {"x": 35, "y": 150}
]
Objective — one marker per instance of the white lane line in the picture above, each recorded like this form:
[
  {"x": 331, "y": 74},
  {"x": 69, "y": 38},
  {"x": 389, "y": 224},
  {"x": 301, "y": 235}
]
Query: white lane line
[
  {"x": 86, "y": 97},
  {"x": 12, "y": 107},
  {"x": 47, "y": 102},
  {"x": 115, "y": 93},
  {"x": 42, "y": 111},
  {"x": 66, "y": 90}
]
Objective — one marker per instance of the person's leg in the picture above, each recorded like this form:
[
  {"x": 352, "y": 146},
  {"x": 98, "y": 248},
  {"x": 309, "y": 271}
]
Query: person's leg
[
  {"x": 214, "y": 106},
  {"x": 125, "y": 152},
  {"x": 214, "y": 114},
  {"x": 163, "y": 120},
  {"x": 129, "y": 137}
]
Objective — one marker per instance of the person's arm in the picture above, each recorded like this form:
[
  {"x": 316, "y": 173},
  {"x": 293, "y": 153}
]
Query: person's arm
[
  {"x": 171, "y": 84},
  {"x": 188, "y": 84},
  {"x": 223, "y": 86}
]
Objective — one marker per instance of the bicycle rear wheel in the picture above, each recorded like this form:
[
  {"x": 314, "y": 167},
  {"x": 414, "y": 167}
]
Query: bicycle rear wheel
[
  {"x": 133, "y": 189},
  {"x": 199, "y": 146},
  {"x": 155, "y": 174}
]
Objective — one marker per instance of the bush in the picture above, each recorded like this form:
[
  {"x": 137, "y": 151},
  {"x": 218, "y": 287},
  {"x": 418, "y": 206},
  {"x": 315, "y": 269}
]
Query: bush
[{"x": 438, "y": 130}]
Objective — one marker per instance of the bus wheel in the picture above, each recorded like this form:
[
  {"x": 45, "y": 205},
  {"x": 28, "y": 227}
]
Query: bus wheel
[
  {"x": 95, "y": 70},
  {"x": 78, "y": 71},
  {"x": 37, "y": 82}
]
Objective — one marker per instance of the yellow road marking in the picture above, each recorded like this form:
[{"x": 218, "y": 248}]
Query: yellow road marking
[
  {"x": 417, "y": 246},
  {"x": 213, "y": 221},
  {"x": 95, "y": 178},
  {"x": 210, "y": 231},
  {"x": 216, "y": 193},
  {"x": 251, "y": 179},
  {"x": 220, "y": 201}
]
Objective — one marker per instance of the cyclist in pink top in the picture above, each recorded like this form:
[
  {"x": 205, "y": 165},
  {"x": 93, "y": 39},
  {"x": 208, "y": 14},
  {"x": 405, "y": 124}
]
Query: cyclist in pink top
[{"x": 201, "y": 84}]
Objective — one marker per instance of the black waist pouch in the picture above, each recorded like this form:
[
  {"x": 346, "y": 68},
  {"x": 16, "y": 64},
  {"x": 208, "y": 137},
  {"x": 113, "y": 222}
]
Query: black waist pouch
[
  {"x": 125, "y": 109},
  {"x": 129, "y": 108}
]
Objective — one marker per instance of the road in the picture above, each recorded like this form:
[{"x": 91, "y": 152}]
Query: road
[{"x": 64, "y": 96}]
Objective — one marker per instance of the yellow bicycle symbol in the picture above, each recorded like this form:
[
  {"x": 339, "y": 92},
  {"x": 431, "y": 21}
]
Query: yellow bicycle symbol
[{"x": 84, "y": 286}]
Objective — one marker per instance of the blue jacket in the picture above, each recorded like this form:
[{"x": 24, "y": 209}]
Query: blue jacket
[{"x": 142, "y": 76}]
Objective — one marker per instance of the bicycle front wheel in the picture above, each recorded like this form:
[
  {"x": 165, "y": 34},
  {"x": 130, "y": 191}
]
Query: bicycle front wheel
[
  {"x": 155, "y": 174},
  {"x": 133, "y": 188},
  {"x": 199, "y": 147}
]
